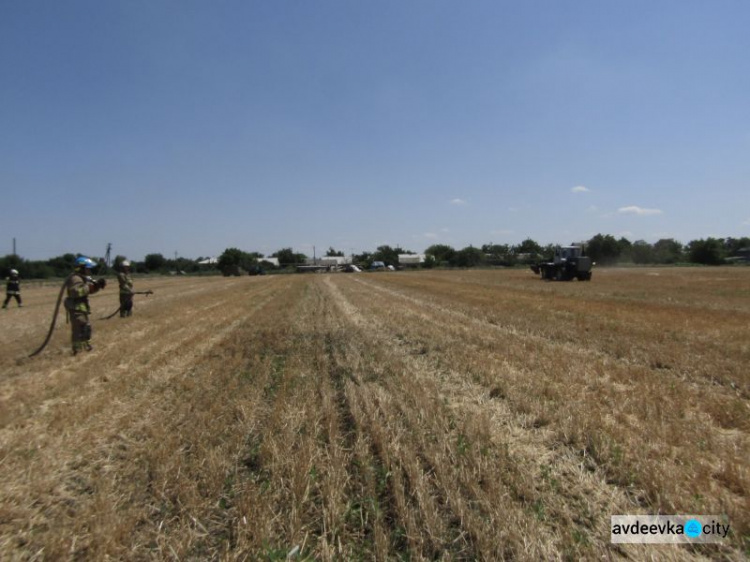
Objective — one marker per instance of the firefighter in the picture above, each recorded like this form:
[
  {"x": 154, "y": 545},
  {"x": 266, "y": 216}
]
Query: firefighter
[
  {"x": 79, "y": 286},
  {"x": 13, "y": 288},
  {"x": 126, "y": 289}
]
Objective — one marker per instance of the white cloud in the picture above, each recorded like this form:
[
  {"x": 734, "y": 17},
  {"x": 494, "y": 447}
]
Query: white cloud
[
  {"x": 592, "y": 209},
  {"x": 580, "y": 189},
  {"x": 458, "y": 202},
  {"x": 747, "y": 222},
  {"x": 640, "y": 211},
  {"x": 431, "y": 235}
]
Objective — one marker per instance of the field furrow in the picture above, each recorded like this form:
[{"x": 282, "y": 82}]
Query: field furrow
[
  {"x": 430, "y": 416},
  {"x": 588, "y": 405}
]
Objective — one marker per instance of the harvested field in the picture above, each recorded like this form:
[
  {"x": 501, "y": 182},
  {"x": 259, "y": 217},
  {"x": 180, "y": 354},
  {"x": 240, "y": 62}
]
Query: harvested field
[{"x": 474, "y": 415}]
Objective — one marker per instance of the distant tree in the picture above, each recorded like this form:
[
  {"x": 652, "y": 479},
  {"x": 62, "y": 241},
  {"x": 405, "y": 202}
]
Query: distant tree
[
  {"x": 154, "y": 262},
  {"x": 528, "y": 246},
  {"x": 642, "y": 252},
  {"x": 234, "y": 261},
  {"x": 442, "y": 253},
  {"x": 230, "y": 261},
  {"x": 548, "y": 251},
  {"x": 429, "y": 262},
  {"x": 667, "y": 250},
  {"x": 399, "y": 250},
  {"x": 497, "y": 254},
  {"x": 733, "y": 245},
  {"x": 13, "y": 261},
  {"x": 386, "y": 254},
  {"x": 603, "y": 249},
  {"x": 364, "y": 259},
  {"x": 186, "y": 265},
  {"x": 334, "y": 253},
  {"x": 709, "y": 251},
  {"x": 62, "y": 265},
  {"x": 37, "y": 270},
  {"x": 138, "y": 267},
  {"x": 468, "y": 257},
  {"x": 286, "y": 256},
  {"x": 495, "y": 249},
  {"x": 624, "y": 247}
]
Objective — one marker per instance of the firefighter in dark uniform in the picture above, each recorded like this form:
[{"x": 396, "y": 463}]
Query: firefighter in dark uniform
[
  {"x": 12, "y": 288},
  {"x": 78, "y": 288}
]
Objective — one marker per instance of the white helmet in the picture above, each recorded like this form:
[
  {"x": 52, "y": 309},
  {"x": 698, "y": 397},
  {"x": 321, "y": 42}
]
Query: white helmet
[
  {"x": 125, "y": 263},
  {"x": 14, "y": 272}
]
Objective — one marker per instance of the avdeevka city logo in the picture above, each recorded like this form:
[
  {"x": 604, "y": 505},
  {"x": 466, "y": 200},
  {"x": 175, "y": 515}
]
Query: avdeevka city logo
[
  {"x": 693, "y": 528},
  {"x": 674, "y": 529}
]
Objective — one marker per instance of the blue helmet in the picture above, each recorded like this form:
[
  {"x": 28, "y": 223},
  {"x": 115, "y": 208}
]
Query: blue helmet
[{"x": 83, "y": 261}]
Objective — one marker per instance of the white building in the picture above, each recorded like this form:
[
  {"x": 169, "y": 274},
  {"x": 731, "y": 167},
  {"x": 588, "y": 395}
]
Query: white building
[
  {"x": 329, "y": 261},
  {"x": 411, "y": 259}
]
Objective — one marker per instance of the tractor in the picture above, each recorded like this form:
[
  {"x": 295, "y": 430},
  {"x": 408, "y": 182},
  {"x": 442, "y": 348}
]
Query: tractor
[{"x": 568, "y": 263}]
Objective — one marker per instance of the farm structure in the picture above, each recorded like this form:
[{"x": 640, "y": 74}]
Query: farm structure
[
  {"x": 411, "y": 260},
  {"x": 325, "y": 263},
  {"x": 328, "y": 261}
]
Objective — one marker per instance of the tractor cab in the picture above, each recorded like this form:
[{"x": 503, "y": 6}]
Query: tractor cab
[{"x": 567, "y": 253}]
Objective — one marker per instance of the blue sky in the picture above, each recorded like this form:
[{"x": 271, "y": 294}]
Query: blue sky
[{"x": 190, "y": 127}]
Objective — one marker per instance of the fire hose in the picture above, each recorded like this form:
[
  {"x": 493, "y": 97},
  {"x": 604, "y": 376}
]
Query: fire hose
[
  {"x": 119, "y": 308},
  {"x": 101, "y": 283},
  {"x": 54, "y": 318}
]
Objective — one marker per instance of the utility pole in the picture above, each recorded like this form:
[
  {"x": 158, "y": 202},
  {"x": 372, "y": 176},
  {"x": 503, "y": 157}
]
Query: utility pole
[
  {"x": 108, "y": 256},
  {"x": 14, "y": 245}
]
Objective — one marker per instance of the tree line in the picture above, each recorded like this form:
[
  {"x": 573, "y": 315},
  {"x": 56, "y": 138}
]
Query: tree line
[
  {"x": 61, "y": 266},
  {"x": 604, "y": 249}
]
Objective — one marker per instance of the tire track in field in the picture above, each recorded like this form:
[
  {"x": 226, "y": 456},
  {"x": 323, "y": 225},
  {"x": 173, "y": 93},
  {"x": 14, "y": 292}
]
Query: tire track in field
[
  {"x": 552, "y": 492},
  {"x": 429, "y": 471},
  {"x": 378, "y": 493}
]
